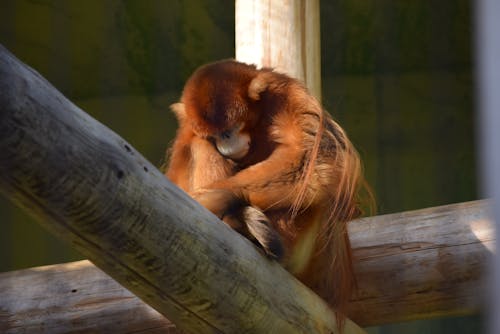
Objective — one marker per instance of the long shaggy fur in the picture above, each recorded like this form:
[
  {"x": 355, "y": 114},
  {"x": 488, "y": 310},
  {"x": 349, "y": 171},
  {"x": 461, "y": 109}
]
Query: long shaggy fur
[{"x": 301, "y": 171}]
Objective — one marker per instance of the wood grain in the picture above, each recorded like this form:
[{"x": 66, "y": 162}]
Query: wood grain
[
  {"x": 421, "y": 264},
  {"x": 73, "y": 297},
  {"x": 282, "y": 34}
]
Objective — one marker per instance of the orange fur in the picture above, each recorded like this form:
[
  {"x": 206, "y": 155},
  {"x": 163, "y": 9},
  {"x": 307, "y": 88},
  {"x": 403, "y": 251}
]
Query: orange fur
[{"x": 301, "y": 170}]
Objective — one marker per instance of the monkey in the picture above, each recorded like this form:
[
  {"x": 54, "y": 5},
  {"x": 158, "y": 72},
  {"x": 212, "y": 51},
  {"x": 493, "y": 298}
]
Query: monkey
[{"x": 257, "y": 149}]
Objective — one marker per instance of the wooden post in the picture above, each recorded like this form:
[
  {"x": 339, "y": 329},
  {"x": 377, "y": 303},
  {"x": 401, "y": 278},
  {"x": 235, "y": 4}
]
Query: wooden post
[
  {"x": 283, "y": 34},
  {"x": 488, "y": 103},
  {"x": 93, "y": 189}
]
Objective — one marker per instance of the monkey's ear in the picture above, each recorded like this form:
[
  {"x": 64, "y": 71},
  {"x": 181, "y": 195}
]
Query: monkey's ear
[
  {"x": 179, "y": 111},
  {"x": 259, "y": 84}
]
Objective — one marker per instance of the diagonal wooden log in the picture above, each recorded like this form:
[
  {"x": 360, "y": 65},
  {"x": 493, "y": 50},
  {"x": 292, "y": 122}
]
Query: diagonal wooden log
[{"x": 91, "y": 188}]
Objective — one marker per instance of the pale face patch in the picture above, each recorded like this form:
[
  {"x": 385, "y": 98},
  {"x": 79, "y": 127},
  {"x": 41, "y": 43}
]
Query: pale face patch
[{"x": 233, "y": 143}]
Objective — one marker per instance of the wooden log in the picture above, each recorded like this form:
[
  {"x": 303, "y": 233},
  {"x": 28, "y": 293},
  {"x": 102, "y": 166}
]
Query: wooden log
[
  {"x": 91, "y": 188},
  {"x": 421, "y": 264},
  {"x": 74, "y": 297},
  {"x": 282, "y": 34},
  {"x": 418, "y": 264}
]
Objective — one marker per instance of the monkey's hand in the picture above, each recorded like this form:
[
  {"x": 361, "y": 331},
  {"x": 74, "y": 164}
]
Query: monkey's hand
[
  {"x": 218, "y": 201},
  {"x": 247, "y": 220}
]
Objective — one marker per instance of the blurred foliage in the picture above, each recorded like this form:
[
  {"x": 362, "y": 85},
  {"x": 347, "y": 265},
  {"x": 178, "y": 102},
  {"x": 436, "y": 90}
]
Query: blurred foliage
[{"x": 397, "y": 75}]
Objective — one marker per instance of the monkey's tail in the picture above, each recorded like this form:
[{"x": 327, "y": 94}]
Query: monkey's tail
[
  {"x": 349, "y": 197},
  {"x": 345, "y": 203},
  {"x": 308, "y": 170}
]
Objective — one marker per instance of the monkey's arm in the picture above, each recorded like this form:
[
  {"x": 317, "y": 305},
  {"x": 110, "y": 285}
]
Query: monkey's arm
[
  {"x": 270, "y": 183},
  {"x": 180, "y": 161},
  {"x": 195, "y": 163},
  {"x": 274, "y": 182},
  {"x": 206, "y": 166}
]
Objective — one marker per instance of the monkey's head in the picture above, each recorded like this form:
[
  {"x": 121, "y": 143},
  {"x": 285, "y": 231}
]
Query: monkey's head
[{"x": 220, "y": 103}]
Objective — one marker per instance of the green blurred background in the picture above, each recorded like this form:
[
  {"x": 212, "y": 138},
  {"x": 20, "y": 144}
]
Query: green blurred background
[{"x": 397, "y": 75}]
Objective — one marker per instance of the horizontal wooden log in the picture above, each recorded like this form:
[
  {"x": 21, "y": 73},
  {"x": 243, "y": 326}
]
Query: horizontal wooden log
[
  {"x": 91, "y": 188},
  {"x": 418, "y": 264},
  {"x": 74, "y": 297},
  {"x": 421, "y": 264}
]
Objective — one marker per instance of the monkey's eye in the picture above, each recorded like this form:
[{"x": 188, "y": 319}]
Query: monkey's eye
[{"x": 226, "y": 134}]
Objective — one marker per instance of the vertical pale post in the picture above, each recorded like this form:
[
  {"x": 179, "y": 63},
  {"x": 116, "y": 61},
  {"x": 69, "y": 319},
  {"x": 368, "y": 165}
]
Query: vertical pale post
[
  {"x": 488, "y": 79},
  {"x": 283, "y": 34}
]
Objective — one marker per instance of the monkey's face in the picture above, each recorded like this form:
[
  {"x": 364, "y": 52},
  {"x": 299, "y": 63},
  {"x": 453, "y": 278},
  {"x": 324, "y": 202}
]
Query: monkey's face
[
  {"x": 226, "y": 120},
  {"x": 233, "y": 143},
  {"x": 219, "y": 106}
]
